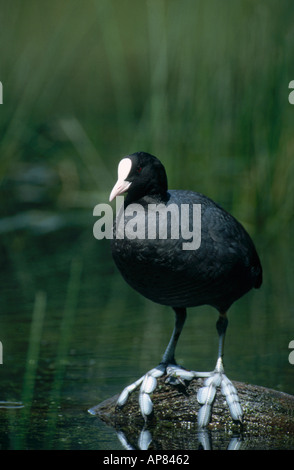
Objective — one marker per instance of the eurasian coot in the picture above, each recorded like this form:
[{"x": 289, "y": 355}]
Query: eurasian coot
[{"x": 160, "y": 264}]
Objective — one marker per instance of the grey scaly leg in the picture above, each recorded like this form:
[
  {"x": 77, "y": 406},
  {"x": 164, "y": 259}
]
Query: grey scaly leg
[
  {"x": 167, "y": 365},
  {"x": 176, "y": 375},
  {"x": 218, "y": 378}
]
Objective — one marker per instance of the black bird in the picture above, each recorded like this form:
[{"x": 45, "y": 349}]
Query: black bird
[{"x": 216, "y": 269}]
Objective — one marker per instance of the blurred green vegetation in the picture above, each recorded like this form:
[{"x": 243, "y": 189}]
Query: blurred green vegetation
[{"x": 201, "y": 84}]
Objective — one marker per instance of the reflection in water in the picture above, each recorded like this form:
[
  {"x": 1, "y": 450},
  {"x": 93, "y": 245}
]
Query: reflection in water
[
  {"x": 74, "y": 334},
  {"x": 11, "y": 405},
  {"x": 203, "y": 437}
]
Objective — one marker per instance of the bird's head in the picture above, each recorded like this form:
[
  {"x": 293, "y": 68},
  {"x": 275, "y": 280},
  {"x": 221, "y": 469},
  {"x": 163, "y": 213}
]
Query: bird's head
[{"x": 140, "y": 174}]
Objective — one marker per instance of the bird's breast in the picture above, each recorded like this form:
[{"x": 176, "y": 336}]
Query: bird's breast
[{"x": 151, "y": 247}]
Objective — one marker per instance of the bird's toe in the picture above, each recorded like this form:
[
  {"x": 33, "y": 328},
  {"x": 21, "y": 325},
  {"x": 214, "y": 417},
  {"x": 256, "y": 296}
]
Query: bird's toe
[
  {"x": 148, "y": 383},
  {"x": 206, "y": 395},
  {"x": 231, "y": 395}
]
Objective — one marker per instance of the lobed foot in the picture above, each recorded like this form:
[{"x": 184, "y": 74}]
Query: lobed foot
[
  {"x": 207, "y": 393},
  {"x": 177, "y": 375},
  {"x": 148, "y": 382}
]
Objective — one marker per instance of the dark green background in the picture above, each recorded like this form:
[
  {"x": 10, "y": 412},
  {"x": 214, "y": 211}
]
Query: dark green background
[{"x": 201, "y": 84}]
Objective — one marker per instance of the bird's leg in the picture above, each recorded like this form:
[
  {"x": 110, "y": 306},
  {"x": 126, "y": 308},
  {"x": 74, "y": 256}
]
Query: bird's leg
[
  {"x": 177, "y": 374},
  {"x": 206, "y": 394},
  {"x": 221, "y": 326},
  {"x": 169, "y": 354},
  {"x": 167, "y": 365}
]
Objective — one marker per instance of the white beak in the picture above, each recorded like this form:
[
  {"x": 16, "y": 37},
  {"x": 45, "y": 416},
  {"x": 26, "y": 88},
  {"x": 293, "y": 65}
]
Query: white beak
[{"x": 122, "y": 185}]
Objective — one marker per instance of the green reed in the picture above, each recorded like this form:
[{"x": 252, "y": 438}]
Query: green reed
[{"x": 203, "y": 85}]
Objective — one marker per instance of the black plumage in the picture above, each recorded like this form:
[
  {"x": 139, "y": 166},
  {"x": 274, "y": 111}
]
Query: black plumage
[
  {"x": 220, "y": 271},
  {"x": 221, "y": 268}
]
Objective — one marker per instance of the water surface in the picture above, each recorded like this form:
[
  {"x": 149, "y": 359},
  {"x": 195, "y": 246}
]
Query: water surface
[{"x": 74, "y": 334}]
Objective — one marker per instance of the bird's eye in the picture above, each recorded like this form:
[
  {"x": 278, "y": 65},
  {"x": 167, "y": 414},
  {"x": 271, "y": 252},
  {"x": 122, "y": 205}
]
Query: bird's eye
[{"x": 139, "y": 169}]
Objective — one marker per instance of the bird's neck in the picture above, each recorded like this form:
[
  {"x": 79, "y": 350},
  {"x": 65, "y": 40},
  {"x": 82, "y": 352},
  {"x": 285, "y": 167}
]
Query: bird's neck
[{"x": 156, "y": 198}]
